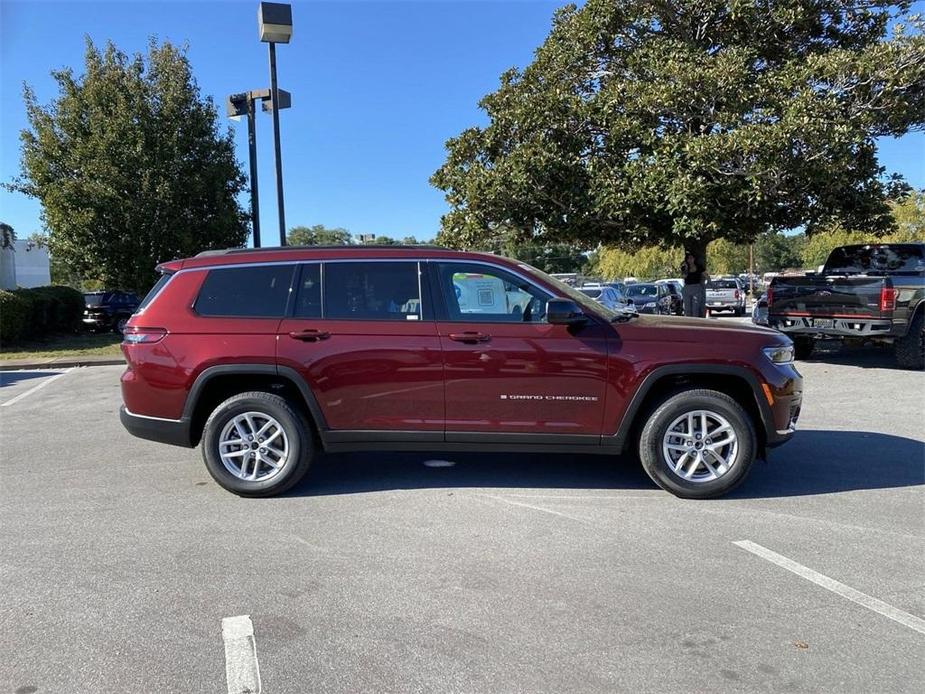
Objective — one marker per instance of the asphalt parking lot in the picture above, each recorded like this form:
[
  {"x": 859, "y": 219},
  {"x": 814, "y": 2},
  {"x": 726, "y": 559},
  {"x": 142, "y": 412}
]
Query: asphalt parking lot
[{"x": 498, "y": 573}]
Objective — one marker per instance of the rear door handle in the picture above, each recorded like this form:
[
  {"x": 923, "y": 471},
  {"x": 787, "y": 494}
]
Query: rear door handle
[
  {"x": 471, "y": 337},
  {"x": 310, "y": 335}
]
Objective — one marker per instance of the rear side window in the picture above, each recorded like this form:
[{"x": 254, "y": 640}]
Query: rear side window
[
  {"x": 308, "y": 297},
  {"x": 155, "y": 290},
  {"x": 260, "y": 291},
  {"x": 372, "y": 291},
  {"x": 894, "y": 259}
]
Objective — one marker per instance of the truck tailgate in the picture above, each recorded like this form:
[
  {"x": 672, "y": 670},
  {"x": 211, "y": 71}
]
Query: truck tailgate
[{"x": 834, "y": 296}]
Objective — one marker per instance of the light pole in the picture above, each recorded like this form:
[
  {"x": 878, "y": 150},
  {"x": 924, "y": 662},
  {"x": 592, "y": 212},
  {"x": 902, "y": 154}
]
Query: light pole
[
  {"x": 245, "y": 104},
  {"x": 275, "y": 23},
  {"x": 242, "y": 104}
]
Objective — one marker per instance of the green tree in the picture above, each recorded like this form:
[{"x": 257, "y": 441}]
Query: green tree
[
  {"x": 647, "y": 263},
  {"x": 556, "y": 257},
  {"x": 130, "y": 167},
  {"x": 727, "y": 258},
  {"x": 679, "y": 122},
  {"x": 319, "y": 235},
  {"x": 775, "y": 252}
]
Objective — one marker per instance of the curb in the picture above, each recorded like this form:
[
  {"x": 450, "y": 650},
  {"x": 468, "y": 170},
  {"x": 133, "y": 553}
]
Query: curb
[{"x": 59, "y": 363}]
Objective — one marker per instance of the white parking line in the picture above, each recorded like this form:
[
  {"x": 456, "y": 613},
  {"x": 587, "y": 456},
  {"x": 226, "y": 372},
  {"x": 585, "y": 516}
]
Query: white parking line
[
  {"x": 35, "y": 388},
  {"x": 539, "y": 508},
  {"x": 878, "y": 606},
  {"x": 241, "y": 670}
]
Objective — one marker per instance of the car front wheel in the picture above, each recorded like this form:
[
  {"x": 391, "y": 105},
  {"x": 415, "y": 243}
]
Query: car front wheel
[
  {"x": 698, "y": 444},
  {"x": 257, "y": 444}
]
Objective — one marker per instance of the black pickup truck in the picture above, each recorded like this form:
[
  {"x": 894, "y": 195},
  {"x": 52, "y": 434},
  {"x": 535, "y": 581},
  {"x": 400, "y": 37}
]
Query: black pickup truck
[{"x": 868, "y": 292}]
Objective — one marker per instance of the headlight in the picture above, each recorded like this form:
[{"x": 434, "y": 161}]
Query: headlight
[{"x": 779, "y": 355}]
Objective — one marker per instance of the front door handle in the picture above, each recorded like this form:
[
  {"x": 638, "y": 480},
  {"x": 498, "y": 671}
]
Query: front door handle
[
  {"x": 309, "y": 335},
  {"x": 471, "y": 337}
]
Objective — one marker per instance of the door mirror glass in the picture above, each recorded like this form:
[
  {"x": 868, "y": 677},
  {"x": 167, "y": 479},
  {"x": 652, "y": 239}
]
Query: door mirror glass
[{"x": 564, "y": 312}]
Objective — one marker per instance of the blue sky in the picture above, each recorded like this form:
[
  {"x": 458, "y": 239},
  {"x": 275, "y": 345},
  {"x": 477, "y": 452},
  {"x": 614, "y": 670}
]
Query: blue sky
[{"x": 378, "y": 87}]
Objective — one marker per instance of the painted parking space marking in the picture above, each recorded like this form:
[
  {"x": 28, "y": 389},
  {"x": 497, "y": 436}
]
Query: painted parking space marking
[
  {"x": 241, "y": 670},
  {"x": 847, "y": 592},
  {"x": 33, "y": 389}
]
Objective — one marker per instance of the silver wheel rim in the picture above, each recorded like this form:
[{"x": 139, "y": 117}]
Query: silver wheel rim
[
  {"x": 700, "y": 446},
  {"x": 253, "y": 446}
]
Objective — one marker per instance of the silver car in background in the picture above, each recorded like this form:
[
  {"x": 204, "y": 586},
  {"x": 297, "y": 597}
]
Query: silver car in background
[
  {"x": 607, "y": 296},
  {"x": 726, "y": 294}
]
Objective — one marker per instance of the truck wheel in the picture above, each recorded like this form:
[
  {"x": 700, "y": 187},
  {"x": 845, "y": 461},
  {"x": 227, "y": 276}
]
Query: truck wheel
[
  {"x": 910, "y": 349},
  {"x": 257, "y": 444},
  {"x": 698, "y": 444},
  {"x": 803, "y": 347}
]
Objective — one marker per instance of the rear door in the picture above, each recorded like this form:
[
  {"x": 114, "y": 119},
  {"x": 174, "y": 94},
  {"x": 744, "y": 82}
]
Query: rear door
[
  {"x": 507, "y": 370},
  {"x": 363, "y": 338}
]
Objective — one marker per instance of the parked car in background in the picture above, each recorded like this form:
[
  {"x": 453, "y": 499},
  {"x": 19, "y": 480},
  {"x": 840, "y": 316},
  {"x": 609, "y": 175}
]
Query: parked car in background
[
  {"x": 865, "y": 293},
  {"x": 605, "y": 295},
  {"x": 760, "y": 310},
  {"x": 269, "y": 357},
  {"x": 725, "y": 294},
  {"x": 109, "y": 310},
  {"x": 676, "y": 292},
  {"x": 649, "y": 297}
]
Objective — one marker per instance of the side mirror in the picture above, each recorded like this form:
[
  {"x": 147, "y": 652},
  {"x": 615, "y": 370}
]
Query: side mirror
[{"x": 564, "y": 312}]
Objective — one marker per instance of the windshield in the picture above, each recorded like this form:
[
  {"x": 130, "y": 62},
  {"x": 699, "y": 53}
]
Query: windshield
[
  {"x": 593, "y": 293},
  {"x": 722, "y": 284},
  {"x": 642, "y": 290},
  {"x": 94, "y": 299},
  {"x": 582, "y": 300},
  {"x": 893, "y": 259}
]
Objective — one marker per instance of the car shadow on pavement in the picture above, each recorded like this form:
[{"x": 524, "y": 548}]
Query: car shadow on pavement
[
  {"x": 825, "y": 462},
  {"x": 865, "y": 356},
  {"x": 813, "y": 462},
  {"x": 8, "y": 378}
]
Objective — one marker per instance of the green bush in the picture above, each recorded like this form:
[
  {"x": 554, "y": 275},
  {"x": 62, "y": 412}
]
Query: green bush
[
  {"x": 52, "y": 309},
  {"x": 14, "y": 316}
]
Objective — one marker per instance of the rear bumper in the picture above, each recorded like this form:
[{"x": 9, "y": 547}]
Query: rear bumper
[
  {"x": 173, "y": 431},
  {"x": 864, "y": 328}
]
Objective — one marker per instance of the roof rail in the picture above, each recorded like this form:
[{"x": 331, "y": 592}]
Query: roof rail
[{"x": 336, "y": 247}]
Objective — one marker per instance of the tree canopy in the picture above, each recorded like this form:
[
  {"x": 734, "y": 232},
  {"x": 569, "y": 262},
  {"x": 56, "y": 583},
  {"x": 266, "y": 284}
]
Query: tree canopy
[
  {"x": 679, "y": 122},
  {"x": 130, "y": 167},
  {"x": 318, "y": 235}
]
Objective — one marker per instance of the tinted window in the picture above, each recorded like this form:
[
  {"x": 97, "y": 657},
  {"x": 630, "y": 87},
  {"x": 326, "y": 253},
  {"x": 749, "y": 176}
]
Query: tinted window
[
  {"x": 308, "y": 296},
  {"x": 593, "y": 293},
  {"x": 372, "y": 291},
  {"x": 258, "y": 291},
  {"x": 887, "y": 260},
  {"x": 155, "y": 290},
  {"x": 476, "y": 292},
  {"x": 722, "y": 284}
]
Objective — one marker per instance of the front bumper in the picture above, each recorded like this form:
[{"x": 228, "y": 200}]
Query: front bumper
[
  {"x": 822, "y": 327},
  {"x": 784, "y": 397},
  {"x": 173, "y": 431}
]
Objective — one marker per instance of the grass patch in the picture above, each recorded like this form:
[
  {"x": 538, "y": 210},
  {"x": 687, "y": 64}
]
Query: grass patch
[{"x": 100, "y": 344}]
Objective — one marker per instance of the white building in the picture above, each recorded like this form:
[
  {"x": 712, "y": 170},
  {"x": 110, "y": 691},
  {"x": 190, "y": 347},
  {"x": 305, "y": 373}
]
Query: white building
[{"x": 24, "y": 265}]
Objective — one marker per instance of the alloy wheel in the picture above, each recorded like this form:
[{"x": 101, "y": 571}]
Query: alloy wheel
[
  {"x": 253, "y": 446},
  {"x": 700, "y": 446}
]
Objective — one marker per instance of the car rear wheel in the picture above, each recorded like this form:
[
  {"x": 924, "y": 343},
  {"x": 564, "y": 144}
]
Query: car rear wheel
[
  {"x": 257, "y": 444},
  {"x": 118, "y": 325},
  {"x": 910, "y": 349},
  {"x": 698, "y": 444}
]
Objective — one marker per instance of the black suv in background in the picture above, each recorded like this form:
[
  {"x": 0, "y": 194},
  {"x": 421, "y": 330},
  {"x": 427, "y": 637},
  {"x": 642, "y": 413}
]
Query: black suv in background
[{"x": 109, "y": 310}]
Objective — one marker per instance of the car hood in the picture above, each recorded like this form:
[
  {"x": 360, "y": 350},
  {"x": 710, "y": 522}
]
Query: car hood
[{"x": 690, "y": 329}]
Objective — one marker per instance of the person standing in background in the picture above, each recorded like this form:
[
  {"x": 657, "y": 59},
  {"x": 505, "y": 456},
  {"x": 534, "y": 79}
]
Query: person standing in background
[{"x": 695, "y": 288}]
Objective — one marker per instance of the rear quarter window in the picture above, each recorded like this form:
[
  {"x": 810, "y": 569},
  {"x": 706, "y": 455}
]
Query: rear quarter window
[{"x": 260, "y": 291}]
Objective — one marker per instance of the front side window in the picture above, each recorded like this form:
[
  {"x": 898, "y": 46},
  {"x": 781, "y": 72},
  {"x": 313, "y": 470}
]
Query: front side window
[
  {"x": 372, "y": 291},
  {"x": 258, "y": 291},
  {"x": 474, "y": 292}
]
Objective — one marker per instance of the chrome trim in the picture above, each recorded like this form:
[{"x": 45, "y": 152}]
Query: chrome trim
[{"x": 147, "y": 416}]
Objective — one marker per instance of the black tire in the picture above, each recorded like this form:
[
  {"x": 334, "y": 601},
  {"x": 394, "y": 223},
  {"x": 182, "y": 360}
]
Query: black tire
[
  {"x": 739, "y": 311},
  {"x": 910, "y": 349},
  {"x": 803, "y": 347},
  {"x": 118, "y": 325},
  {"x": 676, "y": 405},
  {"x": 296, "y": 427}
]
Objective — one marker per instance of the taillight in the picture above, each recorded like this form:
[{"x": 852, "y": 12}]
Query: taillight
[
  {"x": 143, "y": 336},
  {"x": 737, "y": 294},
  {"x": 887, "y": 298},
  {"x": 769, "y": 296}
]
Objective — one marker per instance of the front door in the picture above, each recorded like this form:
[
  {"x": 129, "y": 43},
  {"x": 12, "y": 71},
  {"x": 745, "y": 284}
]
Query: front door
[
  {"x": 362, "y": 338},
  {"x": 506, "y": 369}
]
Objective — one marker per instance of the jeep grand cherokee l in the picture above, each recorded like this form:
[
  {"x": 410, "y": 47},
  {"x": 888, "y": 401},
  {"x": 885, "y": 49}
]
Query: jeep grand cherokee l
[{"x": 267, "y": 357}]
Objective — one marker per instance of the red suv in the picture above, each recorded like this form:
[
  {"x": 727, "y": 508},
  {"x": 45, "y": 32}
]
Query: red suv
[{"x": 267, "y": 357}]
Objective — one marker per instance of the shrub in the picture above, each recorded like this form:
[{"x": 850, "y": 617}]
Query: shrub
[
  {"x": 14, "y": 316},
  {"x": 52, "y": 309}
]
